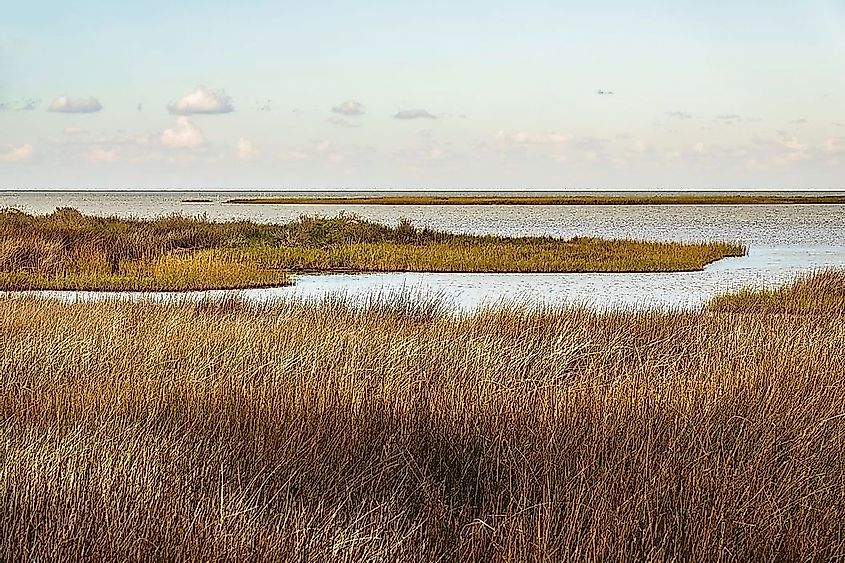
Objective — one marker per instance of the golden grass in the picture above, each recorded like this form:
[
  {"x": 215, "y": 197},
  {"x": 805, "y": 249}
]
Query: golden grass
[
  {"x": 651, "y": 199},
  {"x": 398, "y": 432},
  {"x": 823, "y": 290},
  {"x": 68, "y": 250},
  {"x": 580, "y": 254},
  {"x": 199, "y": 271}
]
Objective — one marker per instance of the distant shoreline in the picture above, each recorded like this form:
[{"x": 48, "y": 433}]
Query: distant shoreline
[{"x": 740, "y": 199}]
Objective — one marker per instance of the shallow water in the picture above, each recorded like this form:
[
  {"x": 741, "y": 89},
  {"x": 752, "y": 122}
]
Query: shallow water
[{"x": 783, "y": 240}]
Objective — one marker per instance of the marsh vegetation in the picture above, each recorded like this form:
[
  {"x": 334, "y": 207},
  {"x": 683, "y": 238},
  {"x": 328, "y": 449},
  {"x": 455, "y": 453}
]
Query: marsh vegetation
[
  {"x": 397, "y": 431},
  {"x": 69, "y": 250}
]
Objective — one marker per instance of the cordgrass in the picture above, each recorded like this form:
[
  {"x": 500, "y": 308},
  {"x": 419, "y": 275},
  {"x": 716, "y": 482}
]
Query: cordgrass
[
  {"x": 823, "y": 290},
  {"x": 396, "y": 431},
  {"x": 578, "y": 255},
  {"x": 655, "y": 199},
  {"x": 68, "y": 250}
]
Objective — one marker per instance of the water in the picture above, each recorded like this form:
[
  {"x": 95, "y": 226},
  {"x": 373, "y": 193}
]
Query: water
[{"x": 783, "y": 240}]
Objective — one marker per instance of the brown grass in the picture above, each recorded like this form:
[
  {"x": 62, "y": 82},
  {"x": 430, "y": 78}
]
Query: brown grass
[
  {"x": 823, "y": 290},
  {"x": 398, "y": 432}
]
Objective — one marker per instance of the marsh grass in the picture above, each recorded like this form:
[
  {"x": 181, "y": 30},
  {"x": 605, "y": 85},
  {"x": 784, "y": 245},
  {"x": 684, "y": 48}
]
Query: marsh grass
[
  {"x": 574, "y": 255},
  {"x": 820, "y": 291},
  {"x": 68, "y": 250},
  {"x": 396, "y": 431},
  {"x": 654, "y": 199}
]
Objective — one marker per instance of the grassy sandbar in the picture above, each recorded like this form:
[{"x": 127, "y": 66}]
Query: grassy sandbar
[{"x": 69, "y": 250}]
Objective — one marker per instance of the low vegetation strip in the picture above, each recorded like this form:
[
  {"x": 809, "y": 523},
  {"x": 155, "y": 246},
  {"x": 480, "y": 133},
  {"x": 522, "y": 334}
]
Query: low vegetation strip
[
  {"x": 576, "y": 255},
  {"x": 397, "y": 432},
  {"x": 651, "y": 199},
  {"x": 68, "y": 250}
]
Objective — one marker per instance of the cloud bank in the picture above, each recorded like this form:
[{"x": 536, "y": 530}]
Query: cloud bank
[
  {"x": 202, "y": 101},
  {"x": 679, "y": 114},
  {"x": 349, "y": 107},
  {"x": 17, "y": 154},
  {"x": 533, "y": 138},
  {"x": 414, "y": 114},
  {"x": 23, "y": 105},
  {"x": 64, "y": 104},
  {"x": 184, "y": 135},
  {"x": 246, "y": 150}
]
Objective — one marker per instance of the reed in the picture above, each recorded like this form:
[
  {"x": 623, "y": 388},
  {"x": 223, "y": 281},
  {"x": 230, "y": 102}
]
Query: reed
[
  {"x": 397, "y": 431},
  {"x": 68, "y": 250},
  {"x": 648, "y": 199}
]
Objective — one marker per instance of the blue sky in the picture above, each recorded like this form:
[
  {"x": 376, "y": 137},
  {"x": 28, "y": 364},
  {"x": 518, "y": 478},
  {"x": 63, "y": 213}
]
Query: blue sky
[{"x": 406, "y": 95}]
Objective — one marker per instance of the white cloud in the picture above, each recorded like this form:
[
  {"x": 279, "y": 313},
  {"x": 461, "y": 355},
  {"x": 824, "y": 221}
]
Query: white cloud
[
  {"x": 835, "y": 146},
  {"x": 338, "y": 121},
  {"x": 102, "y": 154},
  {"x": 728, "y": 119},
  {"x": 29, "y": 104},
  {"x": 293, "y": 156},
  {"x": 74, "y": 131},
  {"x": 184, "y": 135},
  {"x": 202, "y": 100},
  {"x": 679, "y": 114},
  {"x": 64, "y": 104},
  {"x": 639, "y": 146},
  {"x": 17, "y": 154},
  {"x": 533, "y": 138},
  {"x": 246, "y": 150},
  {"x": 414, "y": 114},
  {"x": 349, "y": 107}
]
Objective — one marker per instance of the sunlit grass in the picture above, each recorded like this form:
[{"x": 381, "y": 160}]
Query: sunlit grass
[
  {"x": 198, "y": 271},
  {"x": 68, "y": 250},
  {"x": 397, "y": 431},
  {"x": 576, "y": 255},
  {"x": 809, "y": 294}
]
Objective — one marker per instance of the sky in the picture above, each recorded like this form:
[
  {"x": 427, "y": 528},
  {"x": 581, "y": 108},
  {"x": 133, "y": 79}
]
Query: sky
[{"x": 460, "y": 94}]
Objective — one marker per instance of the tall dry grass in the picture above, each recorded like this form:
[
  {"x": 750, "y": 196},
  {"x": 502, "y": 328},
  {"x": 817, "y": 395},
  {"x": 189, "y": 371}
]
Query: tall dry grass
[
  {"x": 397, "y": 431},
  {"x": 819, "y": 291},
  {"x": 69, "y": 250}
]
